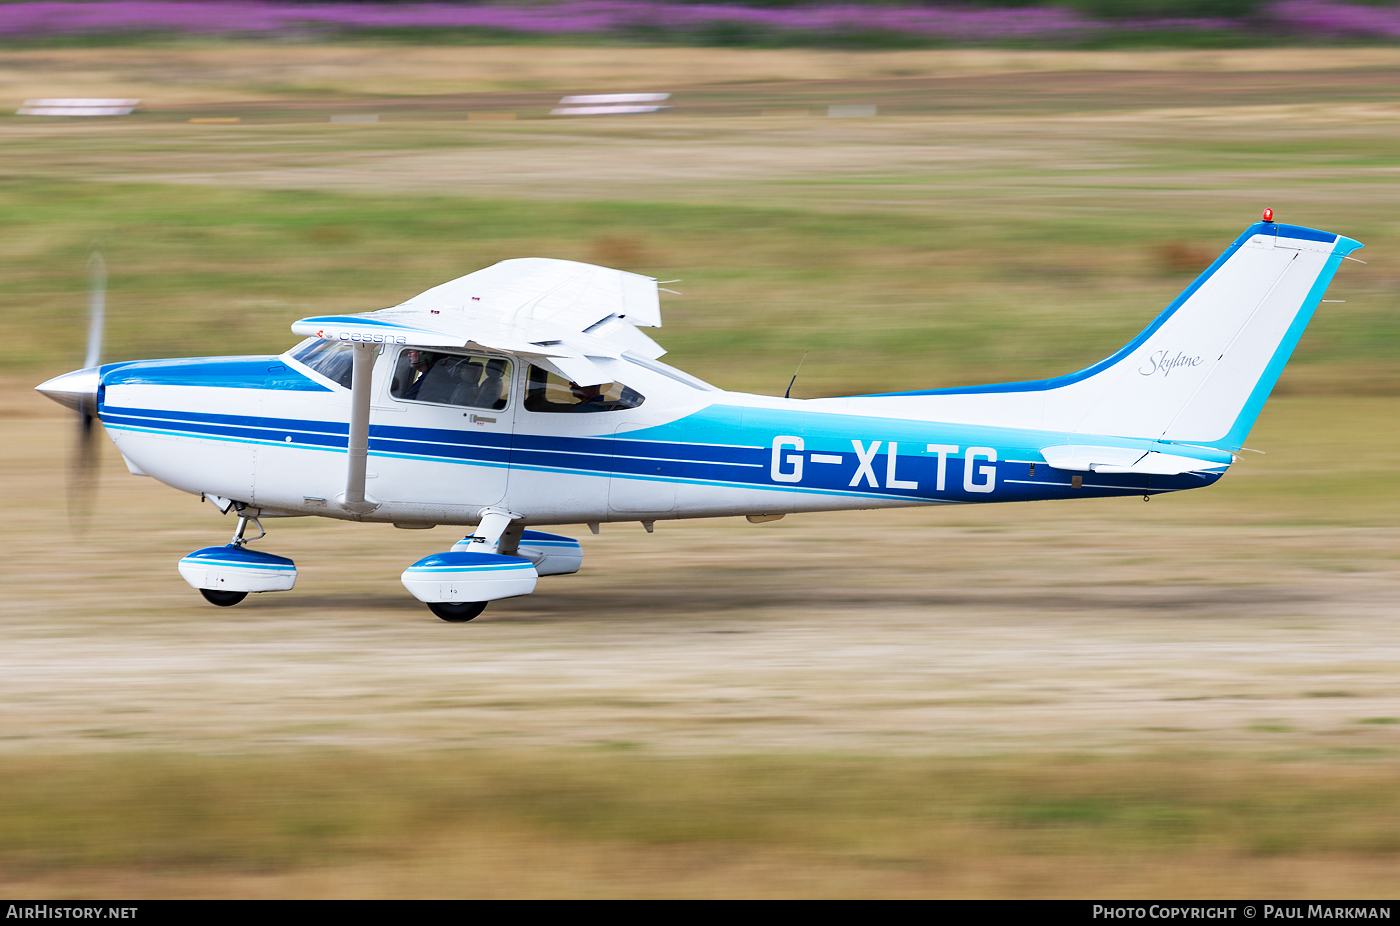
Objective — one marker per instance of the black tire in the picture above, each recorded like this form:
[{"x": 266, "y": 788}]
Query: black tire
[
  {"x": 457, "y": 612},
  {"x": 222, "y": 599}
]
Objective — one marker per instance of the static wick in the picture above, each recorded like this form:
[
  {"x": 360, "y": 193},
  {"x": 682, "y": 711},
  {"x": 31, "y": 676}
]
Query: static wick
[{"x": 788, "y": 394}]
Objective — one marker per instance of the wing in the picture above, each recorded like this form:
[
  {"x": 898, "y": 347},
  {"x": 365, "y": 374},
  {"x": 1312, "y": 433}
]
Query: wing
[{"x": 571, "y": 318}]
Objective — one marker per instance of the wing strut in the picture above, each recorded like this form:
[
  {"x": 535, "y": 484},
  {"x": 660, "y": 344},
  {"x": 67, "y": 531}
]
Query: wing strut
[{"x": 358, "y": 446}]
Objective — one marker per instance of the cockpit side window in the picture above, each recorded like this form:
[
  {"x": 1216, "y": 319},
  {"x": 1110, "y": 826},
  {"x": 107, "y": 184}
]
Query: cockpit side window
[
  {"x": 445, "y": 378},
  {"x": 546, "y": 392},
  {"x": 335, "y": 360}
]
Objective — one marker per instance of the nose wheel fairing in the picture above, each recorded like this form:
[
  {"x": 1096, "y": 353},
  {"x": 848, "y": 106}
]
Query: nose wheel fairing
[
  {"x": 226, "y": 575},
  {"x": 235, "y": 568}
]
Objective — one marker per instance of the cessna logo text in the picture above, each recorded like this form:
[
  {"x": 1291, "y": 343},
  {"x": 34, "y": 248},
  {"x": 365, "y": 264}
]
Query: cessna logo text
[
  {"x": 373, "y": 338},
  {"x": 1162, "y": 362}
]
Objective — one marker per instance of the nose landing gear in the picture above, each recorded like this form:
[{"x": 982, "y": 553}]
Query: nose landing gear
[
  {"x": 222, "y": 599},
  {"x": 226, "y": 575}
]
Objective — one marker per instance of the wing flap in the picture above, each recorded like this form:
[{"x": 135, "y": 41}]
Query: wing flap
[{"x": 537, "y": 307}]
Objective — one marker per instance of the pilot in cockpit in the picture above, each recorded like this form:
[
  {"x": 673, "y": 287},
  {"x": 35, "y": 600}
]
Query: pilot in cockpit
[
  {"x": 419, "y": 362},
  {"x": 590, "y": 398},
  {"x": 435, "y": 378}
]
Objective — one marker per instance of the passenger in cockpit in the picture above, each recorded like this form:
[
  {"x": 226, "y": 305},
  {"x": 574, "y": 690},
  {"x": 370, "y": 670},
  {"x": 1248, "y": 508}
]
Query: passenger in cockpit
[
  {"x": 490, "y": 393},
  {"x": 468, "y": 373}
]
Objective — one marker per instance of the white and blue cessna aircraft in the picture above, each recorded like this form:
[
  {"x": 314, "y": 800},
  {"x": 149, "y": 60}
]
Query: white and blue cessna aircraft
[{"x": 525, "y": 395}]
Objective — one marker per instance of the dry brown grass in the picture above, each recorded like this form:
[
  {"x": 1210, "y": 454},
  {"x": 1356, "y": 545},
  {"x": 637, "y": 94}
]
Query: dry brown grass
[{"x": 511, "y": 866}]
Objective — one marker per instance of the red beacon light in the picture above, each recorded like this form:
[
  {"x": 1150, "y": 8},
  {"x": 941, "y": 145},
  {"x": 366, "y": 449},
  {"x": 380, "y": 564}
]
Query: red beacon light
[{"x": 1268, "y": 215}]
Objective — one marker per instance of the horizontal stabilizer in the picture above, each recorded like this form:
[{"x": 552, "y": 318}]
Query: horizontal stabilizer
[{"x": 1089, "y": 459}]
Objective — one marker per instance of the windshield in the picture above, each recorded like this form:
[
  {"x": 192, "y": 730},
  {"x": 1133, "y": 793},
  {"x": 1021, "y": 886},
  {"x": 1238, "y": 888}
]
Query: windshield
[{"x": 335, "y": 360}]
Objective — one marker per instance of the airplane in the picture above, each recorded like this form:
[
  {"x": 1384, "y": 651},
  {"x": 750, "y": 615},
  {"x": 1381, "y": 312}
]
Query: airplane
[{"x": 525, "y": 395}]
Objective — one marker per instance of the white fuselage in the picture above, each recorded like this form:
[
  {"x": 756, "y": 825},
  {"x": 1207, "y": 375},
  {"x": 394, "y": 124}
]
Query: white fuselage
[{"x": 271, "y": 432}]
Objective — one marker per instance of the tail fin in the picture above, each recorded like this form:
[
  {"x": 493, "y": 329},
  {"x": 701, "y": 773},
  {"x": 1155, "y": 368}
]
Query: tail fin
[{"x": 1201, "y": 371}]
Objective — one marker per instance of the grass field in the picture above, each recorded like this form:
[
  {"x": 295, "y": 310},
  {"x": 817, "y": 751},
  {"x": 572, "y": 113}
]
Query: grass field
[
  {"x": 587, "y": 824},
  {"x": 1195, "y": 697}
]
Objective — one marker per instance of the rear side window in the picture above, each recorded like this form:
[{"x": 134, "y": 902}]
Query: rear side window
[
  {"x": 335, "y": 360},
  {"x": 443, "y": 378},
  {"x": 549, "y": 393}
]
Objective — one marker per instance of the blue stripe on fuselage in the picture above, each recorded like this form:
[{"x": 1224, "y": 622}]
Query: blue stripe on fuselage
[{"x": 670, "y": 452}]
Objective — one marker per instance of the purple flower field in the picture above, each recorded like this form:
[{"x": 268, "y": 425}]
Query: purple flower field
[{"x": 1313, "y": 18}]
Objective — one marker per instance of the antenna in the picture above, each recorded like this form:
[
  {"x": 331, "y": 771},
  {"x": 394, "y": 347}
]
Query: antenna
[
  {"x": 788, "y": 394},
  {"x": 97, "y": 305}
]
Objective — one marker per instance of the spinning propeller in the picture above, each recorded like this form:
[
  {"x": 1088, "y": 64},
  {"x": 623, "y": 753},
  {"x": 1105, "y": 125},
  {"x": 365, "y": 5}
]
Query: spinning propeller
[
  {"x": 78, "y": 391},
  {"x": 82, "y": 468}
]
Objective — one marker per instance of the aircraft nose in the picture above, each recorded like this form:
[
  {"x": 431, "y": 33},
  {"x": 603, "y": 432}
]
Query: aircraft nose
[{"x": 76, "y": 390}]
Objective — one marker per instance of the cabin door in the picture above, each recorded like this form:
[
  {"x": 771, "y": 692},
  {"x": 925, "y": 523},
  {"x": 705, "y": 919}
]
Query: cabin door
[{"x": 440, "y": 431}]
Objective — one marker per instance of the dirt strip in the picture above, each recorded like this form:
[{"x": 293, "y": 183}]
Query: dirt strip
[{"x": 1106, "y": 626}]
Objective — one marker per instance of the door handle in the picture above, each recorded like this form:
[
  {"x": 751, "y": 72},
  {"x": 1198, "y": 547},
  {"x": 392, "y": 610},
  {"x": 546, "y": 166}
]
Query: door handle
[{"x": 481, "y": 419}]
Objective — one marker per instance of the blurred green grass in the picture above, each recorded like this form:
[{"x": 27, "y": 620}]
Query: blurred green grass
[
  {"x": 883, "y": 301},
  {"x": 289, "y": 810}
]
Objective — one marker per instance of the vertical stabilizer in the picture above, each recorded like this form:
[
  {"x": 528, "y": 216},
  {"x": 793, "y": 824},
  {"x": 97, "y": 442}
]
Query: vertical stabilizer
[
  {"x": 1202, "y": 371},
  {"x": 1198, "y": 374}
]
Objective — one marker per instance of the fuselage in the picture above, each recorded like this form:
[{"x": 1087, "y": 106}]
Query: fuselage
[{"x": 271, "y": 432}]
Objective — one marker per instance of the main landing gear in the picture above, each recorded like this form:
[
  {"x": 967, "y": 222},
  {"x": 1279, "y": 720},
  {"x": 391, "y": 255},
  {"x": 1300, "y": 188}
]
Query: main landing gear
[
  {"x": 480, "y": 568},
  {"x": 222, "y": 599},
  {"x": 226, "y": 575},
  {"x": 499, "y": 560},
  {"x": 454, "y": 612}
]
